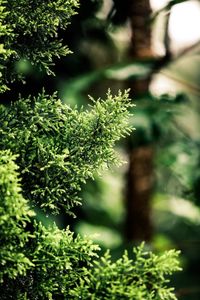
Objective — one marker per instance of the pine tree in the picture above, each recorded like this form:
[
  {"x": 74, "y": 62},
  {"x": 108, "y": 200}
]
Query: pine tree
[{"x": 47, "y": 152}]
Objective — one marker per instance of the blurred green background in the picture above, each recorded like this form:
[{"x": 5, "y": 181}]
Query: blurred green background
[{"x": 153, "y": 48}]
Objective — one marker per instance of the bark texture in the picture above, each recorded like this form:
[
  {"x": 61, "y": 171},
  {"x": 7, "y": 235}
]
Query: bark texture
[
  {"x": 139, "y": 190},
  {"x": 140, "y": 172}
]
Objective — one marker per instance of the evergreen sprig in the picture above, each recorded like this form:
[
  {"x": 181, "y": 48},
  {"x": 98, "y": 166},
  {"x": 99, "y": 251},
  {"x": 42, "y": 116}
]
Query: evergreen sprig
[
  {"x": 60, "y": 260},
  {"x": 49, "y": 263},
  {"x": 29, "y": 30},
  {"x": 39, "y": 263},
  {"x": 142, "y": 278},
  {"x": 14, "y": 216},
  {"x": 59, "y": 147},
  {"x": 5, "y": 53}
]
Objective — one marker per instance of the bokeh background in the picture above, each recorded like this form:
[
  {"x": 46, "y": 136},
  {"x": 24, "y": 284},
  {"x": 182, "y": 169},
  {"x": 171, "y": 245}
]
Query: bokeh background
[{"x": 153, "y": 48}]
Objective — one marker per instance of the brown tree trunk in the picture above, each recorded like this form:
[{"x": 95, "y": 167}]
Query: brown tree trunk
[
  {"x": 139, "y": 17},
  {"x": 139, "y": 191},
  {"x": 140, "y": 172}
]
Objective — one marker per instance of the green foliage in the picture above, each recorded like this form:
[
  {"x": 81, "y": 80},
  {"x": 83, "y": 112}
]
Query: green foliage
[
  {"x": 140, "y": 279},
  {"x": 5, "y": 53},
  {"x": 29, "y": 31},
  {"x": 60, "y": 260},
  {"x": 54, "y": 149},
  {"x": 49, "y": 136},
  {"x": 68, "y": 268},
  {"x": 31, "y": 263},
  {"x": 14, "y": 216},
  {"x": 58, "y": 147}
]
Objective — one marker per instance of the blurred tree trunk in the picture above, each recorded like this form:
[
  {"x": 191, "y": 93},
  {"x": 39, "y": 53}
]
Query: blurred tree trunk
[{"x": 140, "y": 172}]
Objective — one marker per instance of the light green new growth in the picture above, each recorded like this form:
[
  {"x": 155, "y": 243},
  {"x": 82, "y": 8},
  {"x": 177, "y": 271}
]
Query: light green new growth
[
  {"x": 38, "y": 262},
  {"x": 29, "y": 31},
  {"x": 14, "y": 216},
  {"x": 5, "y": 53},
  {"x": 143, "y": 278},
  {"x": 58, "y": 147},
  {"x": 52, "y": 264}
]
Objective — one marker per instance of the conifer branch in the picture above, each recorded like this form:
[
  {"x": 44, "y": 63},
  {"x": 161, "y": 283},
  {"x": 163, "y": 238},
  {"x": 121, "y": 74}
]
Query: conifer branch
[{"x": 59, "y": 148}]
